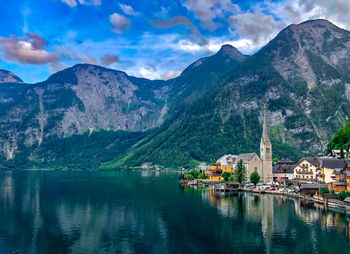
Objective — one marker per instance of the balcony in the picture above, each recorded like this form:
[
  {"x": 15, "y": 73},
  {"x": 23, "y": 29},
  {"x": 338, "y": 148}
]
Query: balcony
[{"x": 305, "y": 172}]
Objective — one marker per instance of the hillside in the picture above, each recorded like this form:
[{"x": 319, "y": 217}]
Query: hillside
[{"x": 303, "y": 75}]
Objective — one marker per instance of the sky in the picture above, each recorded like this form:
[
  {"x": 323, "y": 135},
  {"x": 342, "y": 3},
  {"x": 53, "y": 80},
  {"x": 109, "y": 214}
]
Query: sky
[{"x": 154, "y": 39}]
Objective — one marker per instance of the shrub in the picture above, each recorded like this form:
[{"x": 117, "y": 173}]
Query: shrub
[
  {"x": 324, "y": 190},
  {"x": 200, "y": 176},
  {"x": 188, "y": 176},
  {"x": 342, "y": 195},
  {"x": 195, "y": 173}
]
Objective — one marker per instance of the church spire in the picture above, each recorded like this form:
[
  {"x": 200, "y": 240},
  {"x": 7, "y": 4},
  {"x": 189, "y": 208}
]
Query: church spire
[{"x": 265, "y": 135}]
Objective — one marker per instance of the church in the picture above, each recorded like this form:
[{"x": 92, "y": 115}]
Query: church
[
  {"x": 251, "y": 161},
  {"x": 266, "y": 153}
]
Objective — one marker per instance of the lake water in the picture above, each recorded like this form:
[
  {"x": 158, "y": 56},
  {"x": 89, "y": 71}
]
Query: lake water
[{"x": 120, "y": 212}]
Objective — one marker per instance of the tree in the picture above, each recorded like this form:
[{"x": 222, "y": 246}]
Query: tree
[
  {"x": 188, "y": 176},
  {"x": 240, "y": 172},
  {"x": 324, "y": 190},
  {"x": 226, "y": 176},
  {"x": 254, "y": 178},
  {"x": 275, "y": 160},
  {"x": 342, "y": 195},
  {"x": 195, "y": 173},
  {"x": 341, "y": 153}
]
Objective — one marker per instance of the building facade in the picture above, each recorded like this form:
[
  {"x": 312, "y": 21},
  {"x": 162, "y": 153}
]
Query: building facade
[
  {"x": 330, "y": 167},
  {"x": 283, "y": 170},
  {"x": 307, "y": 170}
]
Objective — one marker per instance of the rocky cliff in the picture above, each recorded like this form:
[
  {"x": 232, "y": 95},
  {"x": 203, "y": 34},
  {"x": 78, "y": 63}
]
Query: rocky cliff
[{"x": 9, "y": 77}]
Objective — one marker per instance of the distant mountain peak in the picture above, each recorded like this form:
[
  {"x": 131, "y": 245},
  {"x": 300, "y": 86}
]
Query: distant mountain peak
[
  {"x": 9, "y": 77},
  {"x": 227, "y": 49}
]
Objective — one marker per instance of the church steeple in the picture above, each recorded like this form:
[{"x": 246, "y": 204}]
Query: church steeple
[
  {"x": 266, "y": 151},
  {"x": 265, "y": 135}
]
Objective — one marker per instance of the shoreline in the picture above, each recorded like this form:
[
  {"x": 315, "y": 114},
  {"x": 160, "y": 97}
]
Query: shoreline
[{"x": 330, "y": 204}]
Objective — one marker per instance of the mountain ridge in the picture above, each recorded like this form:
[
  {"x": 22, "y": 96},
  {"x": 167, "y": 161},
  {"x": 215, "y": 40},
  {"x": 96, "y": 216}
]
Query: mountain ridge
[{"x": 213, "y": 107}]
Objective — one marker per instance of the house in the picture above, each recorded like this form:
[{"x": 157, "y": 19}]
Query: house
[
  {"x": 338, "y": 153},
  {"x": 283, "y": 172},
  {"x": 227, "y": 162},
  {"x": 306, "y": 170},
  {"x": 337, "y": 186},
  {"x": 215, "y": 172},
  {"x": 330, "y": 167},
  {"x": 203, "y": 167},
  {"x": 347, "y": 180},
  {"x": 311, "y": 189}
]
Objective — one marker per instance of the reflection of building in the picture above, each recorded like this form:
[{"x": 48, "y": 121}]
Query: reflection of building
[
  {"x": 307, "y": 215},
  {"x": 336, "y": 220}
]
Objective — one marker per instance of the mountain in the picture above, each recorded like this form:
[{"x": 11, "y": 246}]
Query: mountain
[
  {"x": 9, "y": 77},
  {"x": 96, "y": 118},
  {"x": 87, "y": 101},
  {"x": 302, "y": 75}
]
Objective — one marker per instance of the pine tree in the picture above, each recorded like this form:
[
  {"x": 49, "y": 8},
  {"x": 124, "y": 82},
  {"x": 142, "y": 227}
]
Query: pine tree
[{"x": 240, "y": 172}]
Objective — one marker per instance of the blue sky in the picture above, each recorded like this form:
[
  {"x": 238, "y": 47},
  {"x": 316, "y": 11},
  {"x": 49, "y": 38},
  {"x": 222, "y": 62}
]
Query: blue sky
[{"x": 155, "y": 39}]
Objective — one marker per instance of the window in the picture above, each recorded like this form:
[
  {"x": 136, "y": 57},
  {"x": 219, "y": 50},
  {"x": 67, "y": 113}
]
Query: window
[
  {"x": 255, "y": 169},
  {"x": 267, "y": 150}
]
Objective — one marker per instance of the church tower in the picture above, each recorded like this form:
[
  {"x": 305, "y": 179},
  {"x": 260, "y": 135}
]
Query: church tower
[{"x": 266, "y": 152}]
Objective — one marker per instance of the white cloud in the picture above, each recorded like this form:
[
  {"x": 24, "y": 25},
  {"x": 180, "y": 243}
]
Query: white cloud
[
  {"x": 128, "y": 10},
  {"x": 120, "y": 23},
  {"x": 289, "y": 11},
  {"x": 74, "y": 3},
  {"x": 27, "y": 50},
  {"x": 258, "y": 27},
  {"x": 170, "y": 74}
]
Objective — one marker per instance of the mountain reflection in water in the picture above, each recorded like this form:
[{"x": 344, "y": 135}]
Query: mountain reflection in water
[{"x": 147, "y": 212}]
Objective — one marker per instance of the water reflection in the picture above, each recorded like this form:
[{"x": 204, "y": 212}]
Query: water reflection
[{"x": 120, "y": 212}]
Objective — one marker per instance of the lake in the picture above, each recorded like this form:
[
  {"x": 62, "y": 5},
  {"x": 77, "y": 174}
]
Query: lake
[{"x": 148, "y": 212}]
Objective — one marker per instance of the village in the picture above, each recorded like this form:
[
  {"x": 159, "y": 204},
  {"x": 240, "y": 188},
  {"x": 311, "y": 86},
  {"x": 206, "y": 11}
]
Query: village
[{"x": 323, "y": 179}]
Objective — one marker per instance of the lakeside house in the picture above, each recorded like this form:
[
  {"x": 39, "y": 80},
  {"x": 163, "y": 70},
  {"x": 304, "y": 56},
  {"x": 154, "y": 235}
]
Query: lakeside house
[
  {"x": 340, "y": 181},
  {"x": 283, "y": 170},
  {"x": 338, "y": 153},
  {"x": 306, "y": 170},
  {"x": 228, "y": 163},
  {"x": 330, "y": 167},
  {"x": 310, "y": 189},
  {"x": 215, "y": 172}
]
